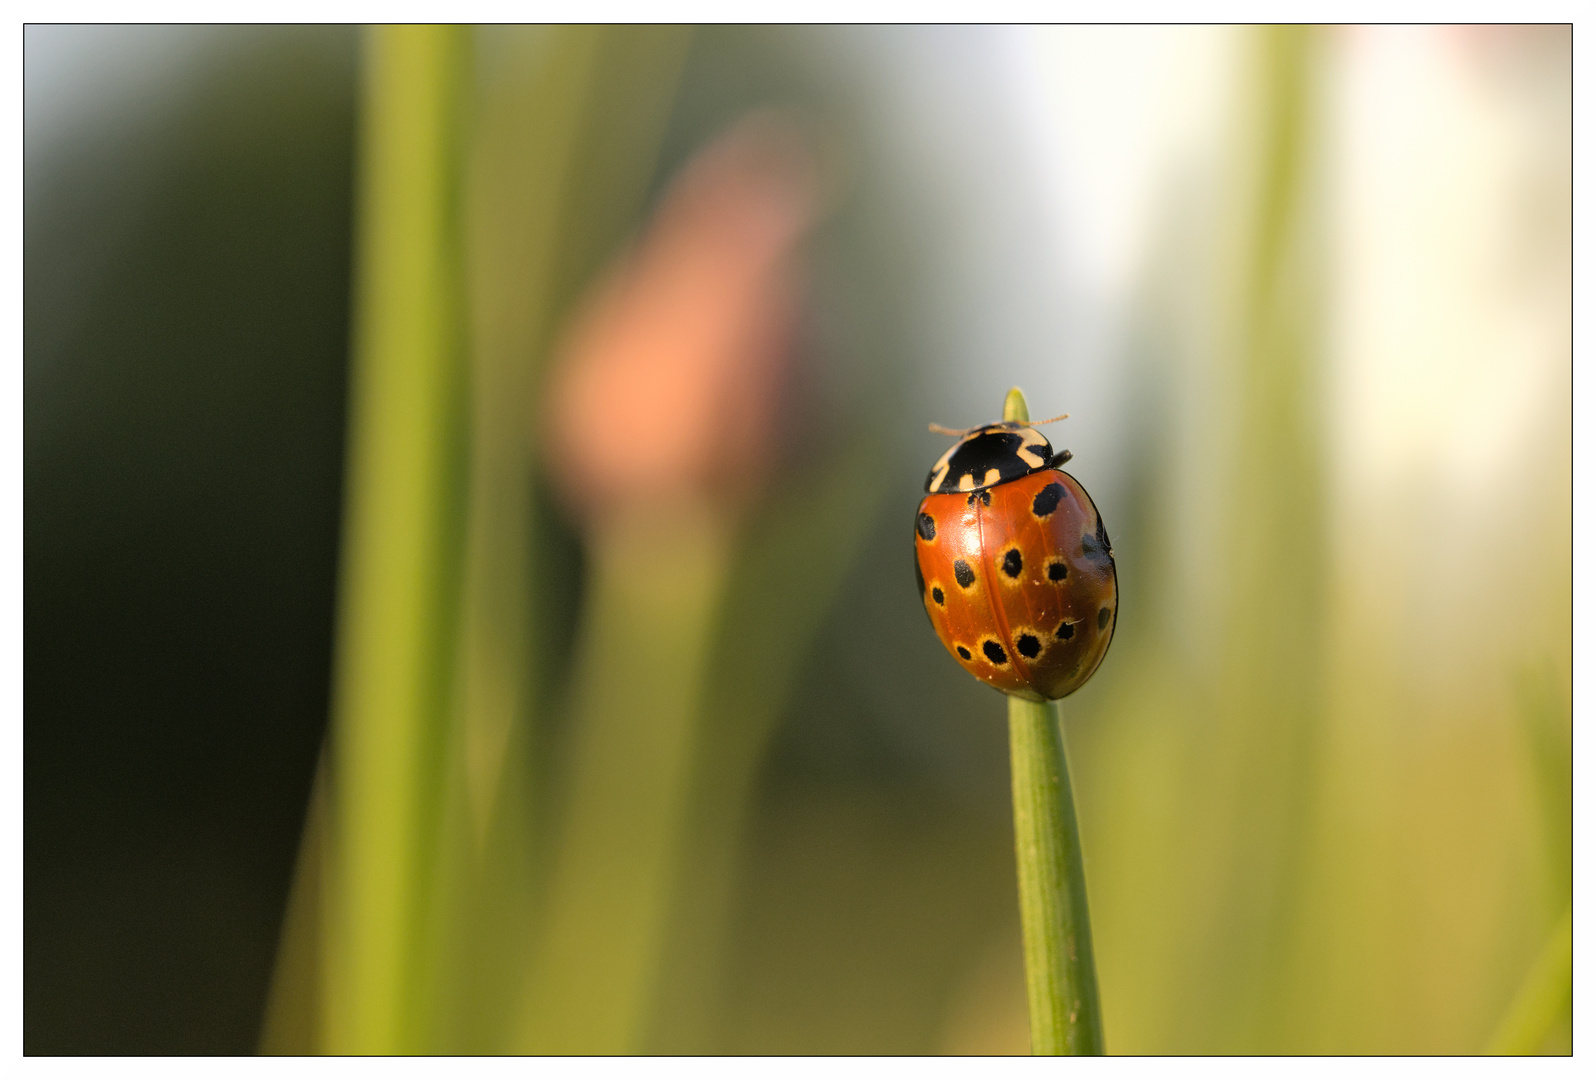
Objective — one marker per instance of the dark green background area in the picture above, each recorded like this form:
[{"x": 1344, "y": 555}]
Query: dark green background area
[
  {"x": 186, "y": 346},
  {"x": 185, "y": 342}
]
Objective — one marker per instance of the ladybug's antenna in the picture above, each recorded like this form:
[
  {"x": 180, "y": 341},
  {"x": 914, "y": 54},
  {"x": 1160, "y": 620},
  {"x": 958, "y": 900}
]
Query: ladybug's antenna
[{"x": 957, "y": 434}]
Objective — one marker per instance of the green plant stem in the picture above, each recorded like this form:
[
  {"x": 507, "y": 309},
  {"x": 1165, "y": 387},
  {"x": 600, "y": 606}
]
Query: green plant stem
[{"x": 1060, "y": 975}]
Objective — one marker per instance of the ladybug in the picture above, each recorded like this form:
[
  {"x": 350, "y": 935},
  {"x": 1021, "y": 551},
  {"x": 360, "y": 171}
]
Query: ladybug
[{"x": 1013, "y": 562}]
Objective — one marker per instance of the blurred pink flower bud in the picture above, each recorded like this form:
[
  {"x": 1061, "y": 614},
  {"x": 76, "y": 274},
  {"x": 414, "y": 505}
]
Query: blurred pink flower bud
[{"x": 666, "y": 383}]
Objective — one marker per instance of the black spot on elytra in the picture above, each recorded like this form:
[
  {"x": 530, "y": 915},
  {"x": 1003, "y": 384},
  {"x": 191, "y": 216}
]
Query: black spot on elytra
[
  {"x": 926, "y": 526},
  {"x": 1103, "y": 615},
  {"x": 1057, "y": 571},
  {"x": 1094, "y": 545},
  {"x": 994, "y": 652},
  {"x": 964, "y": 654},
  {"x": 984, "y": 496},
  {"x": 919, "y": 579},
  {"x": 936, "y": 594},
  {"x": 1066, "y": 630},
  {"x": 963, "y": 574},
  {"x": 1013, "y": 563},
  {"x": 1028, "y": 645},
  {"x": 1047, "y": 500}
]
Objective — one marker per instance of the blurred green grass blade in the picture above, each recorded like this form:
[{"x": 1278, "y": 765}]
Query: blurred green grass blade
[
  {"x": 391, "y": 669},
  {"x": 521, "y": 162},
  {"x": 650, "y": 618},
  {"x": 1203, "y": 888},
  {"x": 553, "y": 189},
  {"x": 565, "y": 145},
  {"x": 292, "y": 1024},
  {"x": 1546, "y": 718},
  {"x": 534, "y": 86},
  {"x": 1545, "y": 998},
  {"x": 1268, "y": 698},
  {"x": 793, "y": 560}
]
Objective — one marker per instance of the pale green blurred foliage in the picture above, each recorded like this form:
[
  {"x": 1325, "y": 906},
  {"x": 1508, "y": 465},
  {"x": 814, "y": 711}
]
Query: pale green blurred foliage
[
  {"x": 1316, "y": 817},
  {"x": 1319, "y": 820}
]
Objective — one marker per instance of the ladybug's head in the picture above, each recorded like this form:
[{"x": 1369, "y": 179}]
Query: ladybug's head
[{"x": 992, "y": 454}]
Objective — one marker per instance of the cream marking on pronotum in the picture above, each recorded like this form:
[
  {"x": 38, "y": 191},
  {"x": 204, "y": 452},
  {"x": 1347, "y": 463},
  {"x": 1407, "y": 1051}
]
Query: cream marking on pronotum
[
  {"x": 1027, "y": 451},
  {"x": 991, "y": 454}
]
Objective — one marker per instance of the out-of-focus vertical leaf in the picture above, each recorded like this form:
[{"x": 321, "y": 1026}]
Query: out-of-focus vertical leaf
[
  {"x": 1547, "y": 719},
  {"x": 638, "y": 698},
  {"x": 570, "y": 127},
  {"x": 1544, "y": 1000},
  {"x": 1269, "y": 692},
  {"x": 545, "y": 204},
  {"x": 520, "y": 164},
  {"x": 1212, "y": 747},
  {"x": 393, "y": 648},
  {"x": 534, "y": 87},
  {"x": 793, "y": 558},
  {"x": 560, "y": 152},
  {"x": 293, "y": 1020}
]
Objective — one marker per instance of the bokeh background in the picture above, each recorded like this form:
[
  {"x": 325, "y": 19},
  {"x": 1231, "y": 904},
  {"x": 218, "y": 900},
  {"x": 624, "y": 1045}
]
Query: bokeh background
[{"x": 468, "y": 485}]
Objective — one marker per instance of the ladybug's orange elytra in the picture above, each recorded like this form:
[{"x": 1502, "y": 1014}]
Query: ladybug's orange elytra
[{"x": 1016, "y": 574}]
